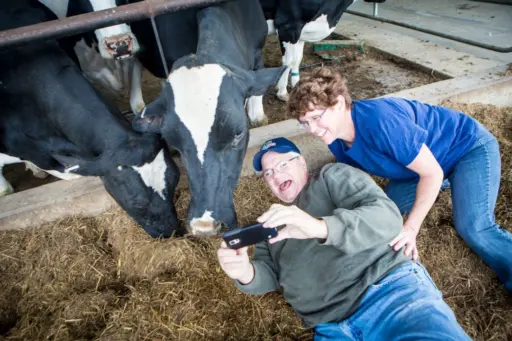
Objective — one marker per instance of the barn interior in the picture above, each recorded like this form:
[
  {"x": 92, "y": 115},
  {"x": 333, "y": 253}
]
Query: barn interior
[{"x": 74, "y": 266}]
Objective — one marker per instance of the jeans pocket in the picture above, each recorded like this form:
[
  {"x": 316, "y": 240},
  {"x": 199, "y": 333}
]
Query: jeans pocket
[
  {"x": 423, "y": 275},
  {"x": 399, "y": 277}
]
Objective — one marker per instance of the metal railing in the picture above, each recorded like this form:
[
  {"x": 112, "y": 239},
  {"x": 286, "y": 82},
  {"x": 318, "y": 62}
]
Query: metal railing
[{"x": 69, "y": 26}]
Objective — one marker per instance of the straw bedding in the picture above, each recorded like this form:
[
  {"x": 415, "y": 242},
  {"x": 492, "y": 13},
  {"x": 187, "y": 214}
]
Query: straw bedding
[{"x": 103, "y": 279}]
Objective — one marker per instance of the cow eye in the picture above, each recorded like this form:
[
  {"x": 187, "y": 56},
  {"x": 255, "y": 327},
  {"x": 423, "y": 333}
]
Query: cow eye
[{"x": 237, "y": 139}]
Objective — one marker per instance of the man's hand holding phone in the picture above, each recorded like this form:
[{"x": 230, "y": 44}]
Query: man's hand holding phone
[
  {"x": 236, "y": 263},
  {"x": 299, "y": 224},
  {"x": 234, "y": 260}
]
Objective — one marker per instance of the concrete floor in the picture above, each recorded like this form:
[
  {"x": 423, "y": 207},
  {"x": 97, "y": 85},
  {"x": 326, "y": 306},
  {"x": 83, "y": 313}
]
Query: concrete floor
[
  {"x": 480, "y": 22},
  {"x": 433, "y": 52},
  {"x": 436, "y": 53}
]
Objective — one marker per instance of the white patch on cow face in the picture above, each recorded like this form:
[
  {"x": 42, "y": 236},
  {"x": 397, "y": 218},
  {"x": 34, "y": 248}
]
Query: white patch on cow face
[
  {"x": 153, "y": 173},
  {"x": 58, "y": 7},
  {"x": 316, "y": 30},
  {"x": 205, "y": 224},
  {"x": 119, "y": 31},
  {"x": 196, "y": 93}
]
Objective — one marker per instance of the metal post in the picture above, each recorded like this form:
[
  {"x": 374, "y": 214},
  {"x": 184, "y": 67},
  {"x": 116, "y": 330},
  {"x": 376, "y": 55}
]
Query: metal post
[
  {"x": 90, "y": 21},
  {"x": 375, "y": 9},
  {"x": 159, "y": 43}
]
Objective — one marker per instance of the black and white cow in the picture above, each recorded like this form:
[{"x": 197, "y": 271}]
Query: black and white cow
[
  {"x": 115, "y": 66},
  {"x": 215, "y": 59},
  {"x": 296, "y": 22},
  {"x": 51, "y": 115},
  {"x": 114, "y": 42},
  {"x": 103, "y": 54}
]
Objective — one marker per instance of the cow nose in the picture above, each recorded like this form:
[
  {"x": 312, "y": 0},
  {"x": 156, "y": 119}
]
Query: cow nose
[
  {"x": 120, "y": 46},
  {"x": 205, "y": 226}
]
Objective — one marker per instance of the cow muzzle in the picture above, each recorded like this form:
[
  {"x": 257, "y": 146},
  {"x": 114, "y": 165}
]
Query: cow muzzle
[
  {"x": 120, "y": 47},
  {"x": 206, "y": 226}
]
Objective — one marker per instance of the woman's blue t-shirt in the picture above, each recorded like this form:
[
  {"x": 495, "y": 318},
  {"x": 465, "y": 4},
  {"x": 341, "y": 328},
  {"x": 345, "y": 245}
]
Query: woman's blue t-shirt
[{"x": 390, "y": 132}]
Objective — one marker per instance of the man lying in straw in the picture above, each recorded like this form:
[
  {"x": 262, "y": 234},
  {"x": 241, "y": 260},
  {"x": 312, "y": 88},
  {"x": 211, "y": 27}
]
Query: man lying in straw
[{"x": 338, "y": 271}]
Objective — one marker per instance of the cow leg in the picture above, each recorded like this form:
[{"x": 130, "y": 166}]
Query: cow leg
[
  {"x": 136, "y": 100},
  {"x": 255, "y": 111},
  {"x": 291, "y": 58},
  {"x": 254, "y": 104},
  {"x": 5, "y": 186},
  {"x": 298, "y": 52}
]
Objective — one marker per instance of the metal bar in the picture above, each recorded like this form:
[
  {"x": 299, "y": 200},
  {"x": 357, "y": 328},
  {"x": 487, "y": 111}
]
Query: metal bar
[
  {"x": 159, "y": 43},
  {"x": 90, "y": 21},
  {"x": 375, "y": 9}
]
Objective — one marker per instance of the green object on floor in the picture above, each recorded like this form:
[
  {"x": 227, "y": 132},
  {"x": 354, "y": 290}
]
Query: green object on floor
[{"x": 328, "y": 46}]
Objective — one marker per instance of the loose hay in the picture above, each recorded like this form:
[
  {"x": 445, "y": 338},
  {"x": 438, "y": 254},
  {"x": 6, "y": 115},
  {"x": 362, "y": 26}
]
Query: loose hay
[{"x": 104, "y": 279}]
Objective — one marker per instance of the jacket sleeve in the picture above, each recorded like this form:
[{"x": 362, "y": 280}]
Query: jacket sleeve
[
  {"x": 265, "y": 273},
  {"x": 364, "y": 216}
]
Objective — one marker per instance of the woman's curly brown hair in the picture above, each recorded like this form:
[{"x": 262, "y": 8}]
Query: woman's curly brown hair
[{"x": 319, "y": 89}]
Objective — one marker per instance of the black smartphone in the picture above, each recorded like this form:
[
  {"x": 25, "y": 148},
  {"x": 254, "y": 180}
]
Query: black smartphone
[{"x": 249, "y": 235}]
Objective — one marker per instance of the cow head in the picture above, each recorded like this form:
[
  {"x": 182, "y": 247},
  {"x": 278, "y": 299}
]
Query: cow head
[
  {"x": 114, "y": 42},
  {"x": 146, "y": 193},
  {"x": 200, "y": 113},
  {"x": 141, "y": 179}
]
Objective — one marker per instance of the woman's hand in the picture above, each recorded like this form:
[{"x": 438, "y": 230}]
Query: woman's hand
[
  {"x": 408, "y": 238},
  {"x": 299, "y": 224}
]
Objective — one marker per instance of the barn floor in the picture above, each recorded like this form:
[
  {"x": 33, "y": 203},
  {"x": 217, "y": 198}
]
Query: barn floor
[{"x": 103, "y": 279}]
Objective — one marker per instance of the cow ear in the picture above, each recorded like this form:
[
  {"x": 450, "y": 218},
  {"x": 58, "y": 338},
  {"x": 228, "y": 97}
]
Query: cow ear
[
  {"x": 264, "y": 79},
  {"x": 81, "y": 166},
  {"x": 151, "y": 118}
]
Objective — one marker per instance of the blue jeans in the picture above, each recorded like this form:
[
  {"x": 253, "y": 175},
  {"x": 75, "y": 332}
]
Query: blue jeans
[
  {"x": 474, "y": 183},
  {"x": 404, "y": 305}
]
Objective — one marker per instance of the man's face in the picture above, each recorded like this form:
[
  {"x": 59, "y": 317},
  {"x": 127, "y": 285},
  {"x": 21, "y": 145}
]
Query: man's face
[{"x": 286, "y": 174}]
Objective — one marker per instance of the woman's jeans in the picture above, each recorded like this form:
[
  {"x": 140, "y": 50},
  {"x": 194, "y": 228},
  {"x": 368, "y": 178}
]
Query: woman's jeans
[
  {"x": 474, "y": 183},
  {"x": 404, "y": 305}
]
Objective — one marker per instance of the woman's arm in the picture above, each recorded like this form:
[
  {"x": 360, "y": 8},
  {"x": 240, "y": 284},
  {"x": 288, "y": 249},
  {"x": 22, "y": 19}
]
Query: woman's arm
[{"x": 431, "y": 178}]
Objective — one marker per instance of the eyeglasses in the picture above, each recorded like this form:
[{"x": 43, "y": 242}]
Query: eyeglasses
[
  {"x": 315, "y": 118},
  {"x": 279, "y": 167}
]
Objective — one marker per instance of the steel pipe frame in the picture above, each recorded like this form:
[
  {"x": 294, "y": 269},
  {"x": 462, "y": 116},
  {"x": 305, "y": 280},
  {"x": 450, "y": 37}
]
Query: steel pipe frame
[{"x": 69, "y": 26}]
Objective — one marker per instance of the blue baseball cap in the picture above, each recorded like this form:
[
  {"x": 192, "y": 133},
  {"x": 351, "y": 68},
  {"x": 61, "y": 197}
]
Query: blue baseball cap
[{"x": 279, "y": 145}]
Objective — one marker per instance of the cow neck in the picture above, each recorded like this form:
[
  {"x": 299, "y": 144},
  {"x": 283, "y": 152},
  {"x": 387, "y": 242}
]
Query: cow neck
[{"x": 212, "y": 32}]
